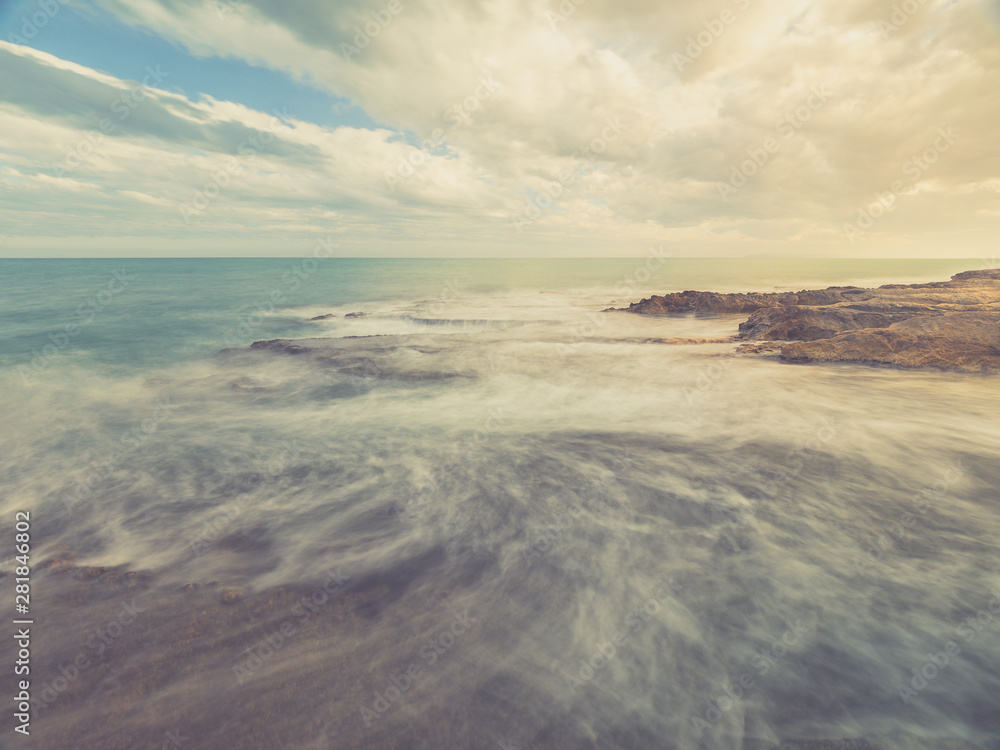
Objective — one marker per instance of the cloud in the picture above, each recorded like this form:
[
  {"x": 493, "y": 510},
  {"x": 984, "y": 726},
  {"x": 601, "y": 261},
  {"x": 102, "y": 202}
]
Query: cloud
[
  {"x": 741, "y": 124},
  {"x": 89, "y": 147}
]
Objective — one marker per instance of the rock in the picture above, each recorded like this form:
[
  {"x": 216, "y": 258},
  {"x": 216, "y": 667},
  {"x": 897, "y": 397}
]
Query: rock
[
  {"x": 357, "y": 315},
  {"x": 246, "y": 385},
  {"x": 953, "y": 341},
  {"x": 760, "y": 347},
  {"x": 329, "y": 315},
  {"x": 793, "y": 322},
  {"x": 280, "y": 345},
  {"x": 714, "y": 303},
  {"x": 951, "y": 324},
  {"x": 404, "y": 358}
]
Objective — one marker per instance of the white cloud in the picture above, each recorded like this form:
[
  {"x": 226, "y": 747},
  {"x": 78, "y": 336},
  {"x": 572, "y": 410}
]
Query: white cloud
[{"x": 698, "y": 89}]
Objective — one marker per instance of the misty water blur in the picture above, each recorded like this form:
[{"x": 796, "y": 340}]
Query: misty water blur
[{"x": 580, "y": 529}]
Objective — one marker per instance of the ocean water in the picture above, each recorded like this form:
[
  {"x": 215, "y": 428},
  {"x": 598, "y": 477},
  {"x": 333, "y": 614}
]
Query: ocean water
[{"x": 486, "y": 514}]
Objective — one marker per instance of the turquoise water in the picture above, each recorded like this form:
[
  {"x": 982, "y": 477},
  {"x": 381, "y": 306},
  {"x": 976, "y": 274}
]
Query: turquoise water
[
  {"x": 579, "y": 529},
  {"x": 183, "y": 309}
]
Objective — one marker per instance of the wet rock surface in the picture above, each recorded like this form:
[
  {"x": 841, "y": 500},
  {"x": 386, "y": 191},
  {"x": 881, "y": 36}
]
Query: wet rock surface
[
  {"x": 950, "y": 325},
  {"x": 713, "y": 302}
]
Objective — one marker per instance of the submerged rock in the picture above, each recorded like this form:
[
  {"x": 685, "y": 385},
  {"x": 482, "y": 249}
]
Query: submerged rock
[
  {"x": 403, "y": 358},
  {"x": 952, "y": 325}
]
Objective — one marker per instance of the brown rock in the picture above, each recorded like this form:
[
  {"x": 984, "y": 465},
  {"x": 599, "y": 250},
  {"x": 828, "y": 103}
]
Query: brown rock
[
  {"x": 702, "y": 303},
  {"x": 795, "y": 323},
  {"x": 951, "y": 324},
  {"x": 953, "y": 341}
]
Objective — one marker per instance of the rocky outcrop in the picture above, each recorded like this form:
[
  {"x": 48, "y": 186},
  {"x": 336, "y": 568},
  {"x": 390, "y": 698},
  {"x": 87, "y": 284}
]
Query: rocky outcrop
[
  {"x": 953, "y": 341},
  {"x": 947, "y": 324},
  {"x": 795, "y": 323},
  {"x": 709, "y": 303}
]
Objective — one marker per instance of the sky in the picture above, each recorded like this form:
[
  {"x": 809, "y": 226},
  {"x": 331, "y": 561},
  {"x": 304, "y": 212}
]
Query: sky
[{"x": 500, "y": 128}]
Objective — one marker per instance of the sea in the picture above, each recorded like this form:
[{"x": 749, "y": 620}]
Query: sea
[{"x": 475, "y": 507}]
